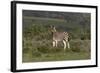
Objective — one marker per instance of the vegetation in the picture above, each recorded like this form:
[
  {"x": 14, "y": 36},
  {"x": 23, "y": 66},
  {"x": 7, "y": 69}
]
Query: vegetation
[{"x": 37, "y": 37}]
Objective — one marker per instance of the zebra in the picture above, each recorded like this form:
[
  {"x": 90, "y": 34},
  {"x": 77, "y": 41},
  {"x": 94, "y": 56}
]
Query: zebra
[{"x": 59, "y": 36}]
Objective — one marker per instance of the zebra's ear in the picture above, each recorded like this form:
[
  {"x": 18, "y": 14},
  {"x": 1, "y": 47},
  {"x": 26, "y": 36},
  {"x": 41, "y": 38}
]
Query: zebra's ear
[
  {"x": 51, "y": 26},
  {"x": 54, "y": 27}
]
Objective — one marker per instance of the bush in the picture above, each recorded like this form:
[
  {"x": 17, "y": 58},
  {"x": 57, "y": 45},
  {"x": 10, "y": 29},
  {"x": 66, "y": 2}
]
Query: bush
[
  {"x": 36, "y": 54},
  {"x": 80, "y": 45},
  {"x": 43, "y": 49}
]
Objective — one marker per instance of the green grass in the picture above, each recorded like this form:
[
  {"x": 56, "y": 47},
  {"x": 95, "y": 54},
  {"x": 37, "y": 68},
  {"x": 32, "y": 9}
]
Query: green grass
[
  {"x": 40, "y": 51},
  {"x": 57, "y": 57}
]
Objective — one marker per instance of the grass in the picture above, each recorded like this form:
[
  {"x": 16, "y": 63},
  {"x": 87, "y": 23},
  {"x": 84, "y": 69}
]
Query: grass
[
  {"x": 57, "y": 57},
  {"x": 40, "y": 51}
]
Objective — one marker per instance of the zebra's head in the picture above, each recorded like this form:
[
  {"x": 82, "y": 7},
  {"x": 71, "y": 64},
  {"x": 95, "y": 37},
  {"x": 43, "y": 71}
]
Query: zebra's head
[{"x": 52, "y": 28}]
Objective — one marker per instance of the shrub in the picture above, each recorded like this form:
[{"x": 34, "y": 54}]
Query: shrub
[
  {"x": 43, "y": 49},
  {"x": 80, "y": 45},
  {"x": 36, "y": 54}
]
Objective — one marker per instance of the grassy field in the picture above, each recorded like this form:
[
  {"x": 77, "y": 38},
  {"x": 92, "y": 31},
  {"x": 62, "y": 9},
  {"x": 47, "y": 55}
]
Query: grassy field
[
  {"x": 39, "y": 51},
  {"x": 37, "y": 41},
  {"x": 57, "y": 57}
]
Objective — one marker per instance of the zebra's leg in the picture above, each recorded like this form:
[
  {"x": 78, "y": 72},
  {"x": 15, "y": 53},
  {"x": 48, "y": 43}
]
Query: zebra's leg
[
  {"x": 68, "y": 44},
  {"x": 64, "y": 42},
  {"x": 54, "y": 43}
]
